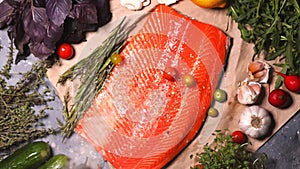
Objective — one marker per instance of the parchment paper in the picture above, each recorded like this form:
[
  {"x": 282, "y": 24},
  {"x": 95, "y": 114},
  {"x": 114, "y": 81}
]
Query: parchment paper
[{"x": 235, "y": 71}]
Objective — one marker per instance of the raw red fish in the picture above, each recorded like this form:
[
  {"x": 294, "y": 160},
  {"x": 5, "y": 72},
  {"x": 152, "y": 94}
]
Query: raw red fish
[{"x": 143, "y": 120}]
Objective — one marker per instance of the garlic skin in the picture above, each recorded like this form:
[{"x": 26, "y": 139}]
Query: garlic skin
[
  {"x": 166, "y": 2},
  {"x": 135, "y": 4},
  {"x": 259, "y": 71},
  {"x": 248, "y": 92},
  {"x": 255, "y": 121}
]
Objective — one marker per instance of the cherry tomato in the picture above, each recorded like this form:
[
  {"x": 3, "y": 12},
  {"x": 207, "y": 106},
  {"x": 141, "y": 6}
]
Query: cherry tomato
[
  {"x": 65, "y": 51},
  {"x": 116, "y": 58},
  {"x": 220, "y": 95},
  {"x": 198, "y": 166},
  {"x": 291, "y": 82},
  {"x": 170, "y": 74},
  {"x": 239, "y": 137},
  {"x": 188, "y": 80},
  {"x": 212, "y": 112},
  {"x": 278, "y": 98}
]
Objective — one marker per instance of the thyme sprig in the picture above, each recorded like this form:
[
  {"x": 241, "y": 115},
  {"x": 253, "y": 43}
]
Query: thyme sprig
[
  {"x": 224, "y": 153},
  {"x": 19, "y": 121},
  {"x": 92, "y": 72}
]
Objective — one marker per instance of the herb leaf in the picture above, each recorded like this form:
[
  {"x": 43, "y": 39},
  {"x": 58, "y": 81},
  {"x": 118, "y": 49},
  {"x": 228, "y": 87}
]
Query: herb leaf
[
  {"x": 6, "y": 14},
  {"x": 80, "y": 12},
  {"x": 224, "y": 153},
  {"x": 38, "y": 26},
  {"x": 273, "y": 27},
  {"x": 58, "y": 10},
  {"x": 19, "y": 121},
  {"x": 32, "y": 26}
]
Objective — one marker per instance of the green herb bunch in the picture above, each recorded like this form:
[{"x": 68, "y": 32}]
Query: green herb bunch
[
  {"x": 226, "y": 154},
  {"x": 274, "y": 27},
  {"x": 19, "y": 121},
  {"x": 92, "y": 72}
]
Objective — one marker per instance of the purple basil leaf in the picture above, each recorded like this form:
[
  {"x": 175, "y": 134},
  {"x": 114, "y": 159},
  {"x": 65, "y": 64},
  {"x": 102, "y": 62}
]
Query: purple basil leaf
[
  {"x": 73, "y": 35},
  {"x": 84, "y": 1},
  {"x": 21, "y": 39},
  {"x": 58, "y": 10},
  {"x": 16, "y": 4},
  {"x": 104, "y": 14},
  {"x": 85, "y": 13},
  {"x": 54, "y": 34},
  {"x": 39, "y": 16},
  {"x": 40, "y": 50},
  {"x": 22, "y": 56},
  {"x": 39, "y": 3},
  {"x": 6, "y": 14},
  {"x": 35, "y": 30},
  {"x": 74, "y": 31}
]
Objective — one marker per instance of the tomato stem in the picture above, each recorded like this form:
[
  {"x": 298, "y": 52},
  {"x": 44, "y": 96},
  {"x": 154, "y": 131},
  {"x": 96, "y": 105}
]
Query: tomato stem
[{"x": 281, "y": 74}]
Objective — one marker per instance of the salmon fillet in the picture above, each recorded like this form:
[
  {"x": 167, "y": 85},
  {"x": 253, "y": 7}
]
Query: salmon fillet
[{"x": 142, "y": 119}]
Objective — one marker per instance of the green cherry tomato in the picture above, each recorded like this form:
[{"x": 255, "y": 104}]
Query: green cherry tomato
[
  {"x": 220, "y": 95},
  {"x": 65, "y": 51},
  {"x": 188, "y": 80},
  {"x": 116, "y": 58},
  {"x": 212, "y": 112}
]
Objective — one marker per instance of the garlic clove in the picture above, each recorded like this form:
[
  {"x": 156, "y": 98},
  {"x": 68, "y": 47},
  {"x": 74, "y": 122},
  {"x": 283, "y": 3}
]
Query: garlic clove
[
  {"x": 146, "y": 2},
  {"x": 132, "y": 4},
  {"x": 248, "y": 92},
  {"x": 255, "y": 86},
  {"x": 255, "y": 67},
  {"x": 166, "y": 2},
  {"x": 259, "y": 71}
]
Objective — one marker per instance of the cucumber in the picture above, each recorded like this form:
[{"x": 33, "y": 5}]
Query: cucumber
[
  {"x": 29, "y": 156},
  {"x": 59, "y": 161}
]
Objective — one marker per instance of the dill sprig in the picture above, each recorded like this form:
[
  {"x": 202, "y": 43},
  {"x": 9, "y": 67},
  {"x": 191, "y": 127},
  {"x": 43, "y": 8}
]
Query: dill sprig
[{"x": 92, "y": 72}]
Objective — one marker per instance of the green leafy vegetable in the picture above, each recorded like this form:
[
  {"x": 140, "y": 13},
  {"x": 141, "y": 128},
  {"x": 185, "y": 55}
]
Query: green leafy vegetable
[
  {"x": 273, "y": 26},
  {"x": 226, "y": 154}
]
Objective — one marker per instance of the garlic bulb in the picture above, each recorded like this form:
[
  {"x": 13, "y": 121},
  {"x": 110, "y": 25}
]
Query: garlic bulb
[
  {"x": 255, "y": 121},
  {"x": 248, "y": 92},
  {"x": 259, "y": 71},
  {"x": 166, "y": 2},
  {"x": 135, "y": 4}
]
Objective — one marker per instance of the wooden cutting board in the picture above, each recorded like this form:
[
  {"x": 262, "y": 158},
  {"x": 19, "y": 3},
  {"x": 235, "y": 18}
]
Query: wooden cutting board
[{"x": 235, "y": 71}]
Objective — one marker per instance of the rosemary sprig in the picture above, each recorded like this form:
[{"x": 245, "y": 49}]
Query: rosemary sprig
[
  {"x": 92, "y": 72},
  {"x": 19, "y": 121}
]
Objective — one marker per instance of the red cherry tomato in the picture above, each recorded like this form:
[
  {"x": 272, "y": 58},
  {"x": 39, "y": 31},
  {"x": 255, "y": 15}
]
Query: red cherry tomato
[
  {"x": 239, "y": 137},
  {"x": 291, "y": 82},
  {"x": 170, "y": 74},
  {"x": 198, "y": 166},
  {"x": 278, "y": 98},
  {"x": 65, "y": 51}
]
